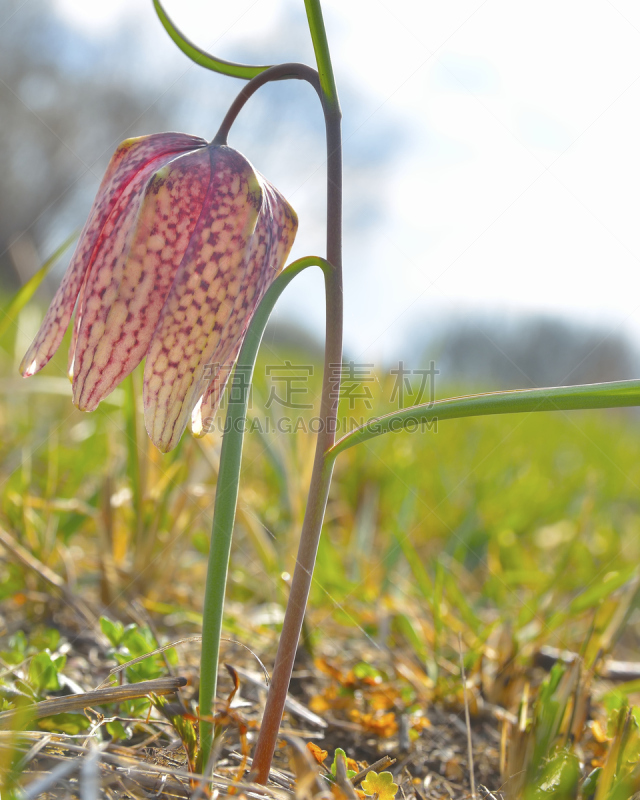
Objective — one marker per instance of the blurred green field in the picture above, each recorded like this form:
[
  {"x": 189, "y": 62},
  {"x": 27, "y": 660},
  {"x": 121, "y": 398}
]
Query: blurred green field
[{"x": 511, "y": 533}]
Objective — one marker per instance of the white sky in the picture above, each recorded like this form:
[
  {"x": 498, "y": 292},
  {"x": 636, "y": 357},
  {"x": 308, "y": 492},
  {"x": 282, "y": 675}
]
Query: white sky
[{"x": 515, "y": 184}]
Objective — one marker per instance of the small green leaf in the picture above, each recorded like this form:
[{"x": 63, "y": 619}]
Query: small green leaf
[
  {"x": 138, "y": 707},
  {"x": 45, "y": 638},
  {"x": 138, "y": 640},
  {"x": 18, "y": 649},
  {"x": 59, "y": 662},
  {"x": 364, "y": 670},
  {"x": 559, "y": 779},
  {"x": 117, "y": 731},
  {"x": 112, "y": 630},
  {"x": 381, "y": 784},
  {"x": 43, "y": 673},
  {"x": 64, "y": 723}
]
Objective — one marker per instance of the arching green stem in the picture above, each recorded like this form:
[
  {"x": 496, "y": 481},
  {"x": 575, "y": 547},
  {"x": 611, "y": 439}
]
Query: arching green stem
[
  {"x": 227, "y": 496},
  {"x": 616, "y": 394},
  {"x": 204, "y": 59}
]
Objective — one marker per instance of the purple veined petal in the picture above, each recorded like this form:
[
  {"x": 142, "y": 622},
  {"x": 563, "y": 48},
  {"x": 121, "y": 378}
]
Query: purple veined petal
[
  {"x": 131, "y": 156},
  {"x": 283, "y": 225},
  {"x": 202, "y": 297},
  {"x": 226, "y": 341},
  {"x": 99, "y": 294},
  {"x": 136, "y": 262},
  {"x": 267, "y": 251}
]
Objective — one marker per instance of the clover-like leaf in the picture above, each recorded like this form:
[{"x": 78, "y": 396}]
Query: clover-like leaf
[{"x": 381, "y": 784}]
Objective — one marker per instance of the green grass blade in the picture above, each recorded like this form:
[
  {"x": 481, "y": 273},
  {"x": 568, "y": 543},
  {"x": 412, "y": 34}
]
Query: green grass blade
[
  {"x": 25, "y": 294},
  {"x": 227, "y": 497},
  {"x": 617, "y": 394},
  {"x": 204, "y": 59}
]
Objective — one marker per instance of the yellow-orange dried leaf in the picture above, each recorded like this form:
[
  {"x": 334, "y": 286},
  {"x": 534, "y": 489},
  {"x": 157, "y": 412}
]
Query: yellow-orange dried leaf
[
  {"x": 319, "y": 704},
  {"x": 317, "y": 752},
  {"x": 383, "y": 725},
  {"x": 338, "y": 794},
  {"x": 382, "y": 699},
  {"x": 419, "y": 723},
  {"x": 328, "y": 669}
]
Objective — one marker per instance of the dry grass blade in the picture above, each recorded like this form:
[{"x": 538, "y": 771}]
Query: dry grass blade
[
  {"x": 467, "y": 719},
  {"x": 77, "y": 702},
  {"x": 47, "y": 574},
  {"x": 151, "y": 653},
  {"x": 291, "y": 704},
  {"x": 279, "y": 778},
  {"x": 90, "y": 776},
  {"x": 186, "y": 640},
  {"x": 136, "y": 775},
  {"x": 201, "y": 789},
  {"x": 38, "y": 787},
  {"x": 32, "y": 753},
  {"x": 342, "y": 780},
  {"x": 309, "y": 784},
  {"x": 612, "y": 670}
]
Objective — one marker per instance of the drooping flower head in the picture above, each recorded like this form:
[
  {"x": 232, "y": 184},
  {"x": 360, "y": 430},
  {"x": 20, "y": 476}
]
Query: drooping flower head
[{"x": 182, "y": 242}]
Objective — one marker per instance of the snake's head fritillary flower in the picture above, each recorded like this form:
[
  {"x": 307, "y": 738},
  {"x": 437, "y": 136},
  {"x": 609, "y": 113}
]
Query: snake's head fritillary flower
[{"x": 182, "y": 242}]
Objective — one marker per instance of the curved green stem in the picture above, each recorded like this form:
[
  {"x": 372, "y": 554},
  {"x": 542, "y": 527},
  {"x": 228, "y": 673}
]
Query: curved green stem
[
  {"x": 616, "y": 394},
  {"x": 201, "y": 57},
  {"x": 227, "y": 496}
]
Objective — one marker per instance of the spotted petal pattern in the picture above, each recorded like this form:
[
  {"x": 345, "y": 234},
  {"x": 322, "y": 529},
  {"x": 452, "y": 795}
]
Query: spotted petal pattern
[
  {"x": 203, "y": 297},
  {"x": 267, "y": 251},
  {"x": 182, "y": 242},
  {"x": 138, "y": 255},
  {"x": 130, "y": 157}
]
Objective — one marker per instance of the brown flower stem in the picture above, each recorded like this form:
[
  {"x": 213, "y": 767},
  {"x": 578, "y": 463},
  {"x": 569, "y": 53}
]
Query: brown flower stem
[
  {"x": 322, "y": 467},
  {"x": 227, "y": 497},
  {"x": 324, "y": 85},
  {"x": 280, "y": 72}
]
